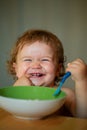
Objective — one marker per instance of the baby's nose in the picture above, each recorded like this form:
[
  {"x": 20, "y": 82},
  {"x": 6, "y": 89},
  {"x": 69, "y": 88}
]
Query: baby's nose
[{"x": 35, "y": 65}]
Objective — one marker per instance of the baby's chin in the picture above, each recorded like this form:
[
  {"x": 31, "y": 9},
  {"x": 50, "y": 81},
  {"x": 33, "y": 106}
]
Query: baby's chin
[{"x": 38, "y": 83}]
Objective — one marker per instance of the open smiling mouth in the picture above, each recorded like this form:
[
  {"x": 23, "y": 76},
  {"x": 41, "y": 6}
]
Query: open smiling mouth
[{"x": 36, "y": 75}]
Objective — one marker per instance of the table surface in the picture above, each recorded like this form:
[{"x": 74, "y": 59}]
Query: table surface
[{"x": 9, "y": 122}]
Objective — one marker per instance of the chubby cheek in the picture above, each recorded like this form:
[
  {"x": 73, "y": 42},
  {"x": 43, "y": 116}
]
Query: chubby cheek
[
  {"x": 51, "y": 69},
  {"x": 20, "y": 71}
]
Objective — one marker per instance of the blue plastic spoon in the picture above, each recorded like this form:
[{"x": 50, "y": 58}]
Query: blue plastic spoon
[{"x": 61, "y": 83}]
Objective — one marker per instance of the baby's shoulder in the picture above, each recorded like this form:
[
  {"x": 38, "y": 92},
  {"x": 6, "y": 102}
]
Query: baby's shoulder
[{"x": 70, "y": 92}]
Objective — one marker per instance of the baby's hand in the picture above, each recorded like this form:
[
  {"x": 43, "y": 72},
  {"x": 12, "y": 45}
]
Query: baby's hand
[
  {"x": 23, "y": 81},
  {"x": 78, "y": 69}
]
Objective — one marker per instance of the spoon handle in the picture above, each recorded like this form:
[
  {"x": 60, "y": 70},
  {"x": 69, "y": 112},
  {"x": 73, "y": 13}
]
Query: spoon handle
[
  {"x": 61, "y": 83},
  {"x": 65, "y": 77}
]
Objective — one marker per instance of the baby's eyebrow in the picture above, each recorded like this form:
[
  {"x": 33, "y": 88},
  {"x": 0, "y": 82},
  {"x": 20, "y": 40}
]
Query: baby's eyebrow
[
  {"x": 26, "y": 57},
  {"x": 47, "y": 56}
]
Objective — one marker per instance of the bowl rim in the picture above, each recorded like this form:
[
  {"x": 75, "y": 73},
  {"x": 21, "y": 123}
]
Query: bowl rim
[{"x": 40, "y": 100}]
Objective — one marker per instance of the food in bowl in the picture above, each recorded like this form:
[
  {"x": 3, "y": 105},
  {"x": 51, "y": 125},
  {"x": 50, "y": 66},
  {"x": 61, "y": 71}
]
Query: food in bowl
[{"x": 31, "y": 102}]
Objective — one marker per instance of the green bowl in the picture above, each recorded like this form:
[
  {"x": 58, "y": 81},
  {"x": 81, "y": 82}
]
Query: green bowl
[
  {"x": 23, "y": 92},
  {"x": 31, "y": 102}
]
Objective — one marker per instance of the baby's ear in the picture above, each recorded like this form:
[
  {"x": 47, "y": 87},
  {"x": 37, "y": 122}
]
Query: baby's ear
[{"x": 14, "y": 67}]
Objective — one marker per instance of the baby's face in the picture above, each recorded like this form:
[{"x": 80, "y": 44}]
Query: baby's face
[{"x": 36, "y": 60}]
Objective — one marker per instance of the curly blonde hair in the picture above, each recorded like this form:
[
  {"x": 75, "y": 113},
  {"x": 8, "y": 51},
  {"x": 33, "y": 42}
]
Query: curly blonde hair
[{"x": 31, "y": 36}]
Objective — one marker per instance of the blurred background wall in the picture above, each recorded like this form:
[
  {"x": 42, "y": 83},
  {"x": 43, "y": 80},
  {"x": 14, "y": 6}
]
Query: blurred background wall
[{"x": 65, "y": 18}]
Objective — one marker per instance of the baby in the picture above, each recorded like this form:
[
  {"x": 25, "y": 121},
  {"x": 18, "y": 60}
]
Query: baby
[{"x": 38, "y": 59}]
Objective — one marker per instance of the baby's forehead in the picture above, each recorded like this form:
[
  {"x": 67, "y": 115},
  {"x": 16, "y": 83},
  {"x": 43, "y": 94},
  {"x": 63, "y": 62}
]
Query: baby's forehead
[
  {"x": 29, "y": 43},
  {"x": 37, "y": 46}
]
